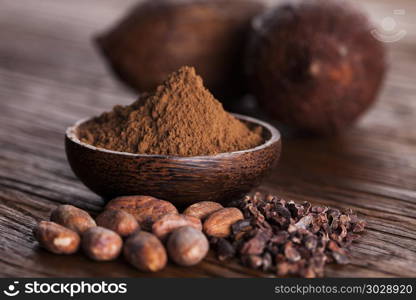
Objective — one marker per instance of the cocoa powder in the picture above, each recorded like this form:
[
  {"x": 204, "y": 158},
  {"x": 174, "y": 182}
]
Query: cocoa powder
[{"x": 181, "y": 117}]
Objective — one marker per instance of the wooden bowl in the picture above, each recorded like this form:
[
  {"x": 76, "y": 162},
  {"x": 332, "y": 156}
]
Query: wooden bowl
[{"x": 181, "y": 180}]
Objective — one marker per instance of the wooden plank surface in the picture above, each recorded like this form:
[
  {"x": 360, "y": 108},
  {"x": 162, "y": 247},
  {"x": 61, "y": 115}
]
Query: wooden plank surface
[{"x": 51, "y": 76}]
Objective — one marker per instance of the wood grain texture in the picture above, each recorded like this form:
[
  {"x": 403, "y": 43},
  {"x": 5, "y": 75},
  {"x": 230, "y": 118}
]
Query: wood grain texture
[{"x": 51, "y": 76}]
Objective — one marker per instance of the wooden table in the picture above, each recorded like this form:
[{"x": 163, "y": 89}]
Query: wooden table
[{"x": 51, "y": 76}]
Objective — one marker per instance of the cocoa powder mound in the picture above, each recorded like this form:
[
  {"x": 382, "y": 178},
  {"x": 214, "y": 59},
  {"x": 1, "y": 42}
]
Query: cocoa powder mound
[{"x": 181, "y": 117}]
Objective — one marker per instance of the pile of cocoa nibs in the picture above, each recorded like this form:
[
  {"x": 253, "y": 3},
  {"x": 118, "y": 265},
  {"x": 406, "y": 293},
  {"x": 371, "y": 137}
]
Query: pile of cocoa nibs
[{"x": 287, "y": 238}]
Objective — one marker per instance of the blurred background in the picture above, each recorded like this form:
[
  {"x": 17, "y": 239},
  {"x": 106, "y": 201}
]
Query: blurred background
[{"x": 45, "y": 43}]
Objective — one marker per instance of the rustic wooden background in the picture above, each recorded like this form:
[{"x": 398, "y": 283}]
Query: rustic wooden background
[{"x": 51, "y": 76}]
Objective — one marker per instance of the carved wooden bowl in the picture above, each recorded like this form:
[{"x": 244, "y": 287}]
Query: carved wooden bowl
[{"x": 181, "y": 180}]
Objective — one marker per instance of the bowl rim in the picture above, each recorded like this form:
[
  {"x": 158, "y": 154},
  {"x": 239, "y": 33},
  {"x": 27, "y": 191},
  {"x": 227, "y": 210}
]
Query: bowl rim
[{"x": 274, "y": 137}]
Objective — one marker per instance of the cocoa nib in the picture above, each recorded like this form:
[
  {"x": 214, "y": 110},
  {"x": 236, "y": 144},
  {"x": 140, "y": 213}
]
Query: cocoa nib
[
  {"x": 223, "y": 249},
  {"x": 288, "y": 238},
  {"x": 256, "y": 244}
]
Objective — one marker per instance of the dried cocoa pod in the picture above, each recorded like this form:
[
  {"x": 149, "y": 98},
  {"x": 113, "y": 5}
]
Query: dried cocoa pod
[
  {"x": 144, "y": 251},
  {"x": 56, "y": 238},
  {"x": 145, "y": 209},
  {"x": 166, "y": 224},
  {"x": 219, "y": 223},
  {"x": 280, "y": 90},
  {"x": 184, "y": 27},
  {"x": 202, "y": 209},
  {"x": 119, "y": 221},
  {"x": 73, "y": 218}
]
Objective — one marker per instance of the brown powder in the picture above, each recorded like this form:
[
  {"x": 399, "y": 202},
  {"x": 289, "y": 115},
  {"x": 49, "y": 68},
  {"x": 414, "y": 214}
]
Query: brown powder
[{"x": 180, "y": 118}]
